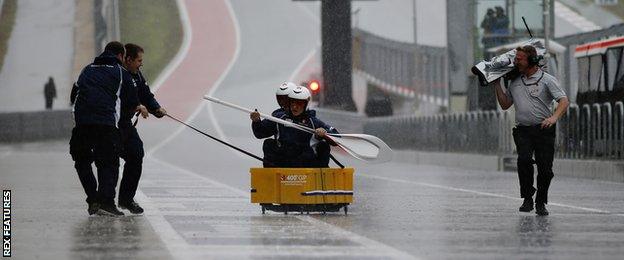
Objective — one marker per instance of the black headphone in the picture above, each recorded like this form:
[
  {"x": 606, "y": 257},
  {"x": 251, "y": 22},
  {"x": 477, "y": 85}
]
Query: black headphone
[{"x": 534, "y": 59}]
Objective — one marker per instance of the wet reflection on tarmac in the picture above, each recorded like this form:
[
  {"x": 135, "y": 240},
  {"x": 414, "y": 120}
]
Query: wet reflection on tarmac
[{"x": 535, "y": 231}]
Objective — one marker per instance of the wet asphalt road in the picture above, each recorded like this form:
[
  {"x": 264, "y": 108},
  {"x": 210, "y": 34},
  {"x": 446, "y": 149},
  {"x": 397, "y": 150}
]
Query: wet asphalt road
[
  {"x": 400, "y": 211},
  {"x": 195, "y": 191},
  {"x": 413, "y": 211}
]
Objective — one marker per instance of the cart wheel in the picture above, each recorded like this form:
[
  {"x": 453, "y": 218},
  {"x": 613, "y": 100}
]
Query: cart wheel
[
  {"x": 346, "y": 209},
  {"x": 285, "y": 212},
  {"x": 263, "y": 209}
]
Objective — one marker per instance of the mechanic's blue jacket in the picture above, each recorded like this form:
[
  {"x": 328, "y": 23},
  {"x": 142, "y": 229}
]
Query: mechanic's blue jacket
[
  {"x": 105, "y": 91},
  {"x": 288, "y": 135},
  {"x": 278, "y": 112},
  {"x": 260, "y": 128},
  {"x": 146, "y": 98}
]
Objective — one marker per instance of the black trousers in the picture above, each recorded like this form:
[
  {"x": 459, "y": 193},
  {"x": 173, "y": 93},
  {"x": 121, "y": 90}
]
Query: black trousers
[
  {"x": 99, "y": 144},
  {"x": 294, "y": 156},
  {"x": 48, "y": 103},
  {"x": 132, "y": 152},
  {"x": 532, "y": 140}
]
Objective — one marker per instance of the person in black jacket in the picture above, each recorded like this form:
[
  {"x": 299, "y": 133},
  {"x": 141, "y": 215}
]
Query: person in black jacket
[
  {"x": 49, "y": 92},
  {"x": 73, "y": 94},
  {"x": 132, "y": 147},
  {"x": 281, "y": 96},
  {"x": 293, "y": 147},
  {"x": 104, "y": 91}
]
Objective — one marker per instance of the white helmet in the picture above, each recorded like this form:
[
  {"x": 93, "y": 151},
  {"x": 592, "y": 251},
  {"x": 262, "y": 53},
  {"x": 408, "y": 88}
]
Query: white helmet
[
  {"x": 300, "y": 93},
  {"x": 285, "y": 88}
]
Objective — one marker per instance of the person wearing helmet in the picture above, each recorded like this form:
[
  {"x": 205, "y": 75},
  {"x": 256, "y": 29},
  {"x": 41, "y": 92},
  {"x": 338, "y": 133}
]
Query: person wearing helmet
[
  {"x": 281, "y": 95},
  {"x": 293, "y": 147}
]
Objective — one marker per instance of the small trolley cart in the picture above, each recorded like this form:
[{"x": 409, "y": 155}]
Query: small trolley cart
[{"x": 302, "y": 189}]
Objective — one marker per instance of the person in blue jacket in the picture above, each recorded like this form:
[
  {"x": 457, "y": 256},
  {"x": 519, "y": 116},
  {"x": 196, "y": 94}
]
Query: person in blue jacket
[
  {"x": 281, "y": 96},
  {"x": 104, "y": 91},
  {"x": 132, "y": 146},
  {"x": 293, "y": 147}
]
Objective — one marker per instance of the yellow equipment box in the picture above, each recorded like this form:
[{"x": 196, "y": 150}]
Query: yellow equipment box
[{"x": 302, "y": 189}]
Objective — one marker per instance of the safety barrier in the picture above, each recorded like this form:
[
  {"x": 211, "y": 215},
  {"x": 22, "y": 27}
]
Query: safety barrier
[
  {"x": 590, "y": 132},
  {"x": 404, "y": 69},
  {"x": 587, "y": 132},
  {"x": 35, "y": 126},
  {"x": 486, "y": 132}
]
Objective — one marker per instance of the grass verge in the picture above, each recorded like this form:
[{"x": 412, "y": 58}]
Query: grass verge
[
  {"x": 154, "y": 25},
  {"x": 7, "y": 20}
]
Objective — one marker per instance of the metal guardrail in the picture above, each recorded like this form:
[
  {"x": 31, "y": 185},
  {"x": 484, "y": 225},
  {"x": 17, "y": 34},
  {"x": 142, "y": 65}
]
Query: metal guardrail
[
  {"x": 592, "y": 131},
  {"x": 485, "y": 132},
  {"x": 407, "y": 70},
  {"x": 343, "y": 121},
  {"x": 588, "y": 132},
  {"x": 35, "y": 126}
]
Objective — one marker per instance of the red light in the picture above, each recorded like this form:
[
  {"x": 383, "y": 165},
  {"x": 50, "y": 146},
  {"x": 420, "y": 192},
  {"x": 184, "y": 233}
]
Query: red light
[{"x": 314, "y": 86}]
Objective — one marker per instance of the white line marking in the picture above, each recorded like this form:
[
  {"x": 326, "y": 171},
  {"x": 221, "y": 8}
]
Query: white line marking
[
  {"x": 181, "y": 55},
  {"x": 317, "y": 20},
  {"x": 481, "y": 193},
  {"x": 574, "y": 18},
  {"x": 186, "y": 43},
  {"x": 172, "y": 240},
  {"x": 359, "y": 239},
  {"x": 303, "y": 63},
  {"x": 314, "y": 17},
  {"x": 212, "y": 89},
  {"x": 393, "y": 252},
  {"x": 212, "y": 117},
  {"x": 178, "y": 247},
  {"x": 299, "y": 67},
  {"x": 5, "y": 154}
]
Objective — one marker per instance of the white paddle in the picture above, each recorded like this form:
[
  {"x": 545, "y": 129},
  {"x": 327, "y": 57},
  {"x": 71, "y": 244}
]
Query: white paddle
[{"x": 367, "y": 148}]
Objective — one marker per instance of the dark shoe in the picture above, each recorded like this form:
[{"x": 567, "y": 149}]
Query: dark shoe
[
  {"x": 93, "y": 208},
  {"x": 527, "y": 205},
  {"x": 109, "y": 210},
  {"x": 132, "y": 206},
  {"x": 540, "y": 209}
]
